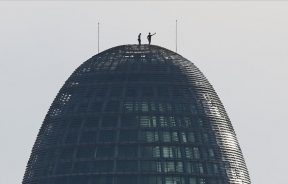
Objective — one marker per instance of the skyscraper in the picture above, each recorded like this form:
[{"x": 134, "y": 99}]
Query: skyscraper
[{"x": 136, "y": 115}]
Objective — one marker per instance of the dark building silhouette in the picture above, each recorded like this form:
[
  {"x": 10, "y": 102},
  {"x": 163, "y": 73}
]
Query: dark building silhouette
[{"x": 136, "y": 115}]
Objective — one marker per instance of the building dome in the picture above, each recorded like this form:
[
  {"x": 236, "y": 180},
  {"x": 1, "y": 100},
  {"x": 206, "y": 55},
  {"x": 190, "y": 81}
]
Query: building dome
[{"x": 136, "y": 115}]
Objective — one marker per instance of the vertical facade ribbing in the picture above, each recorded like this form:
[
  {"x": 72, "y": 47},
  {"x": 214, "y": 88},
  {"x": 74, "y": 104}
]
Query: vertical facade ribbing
[{"x": 136, "y": 115}]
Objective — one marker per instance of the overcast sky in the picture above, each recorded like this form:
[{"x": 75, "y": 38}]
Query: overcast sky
[{"x": 241, "y": 47}]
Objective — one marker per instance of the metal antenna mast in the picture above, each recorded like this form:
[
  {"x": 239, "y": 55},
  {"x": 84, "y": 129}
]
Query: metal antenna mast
[
  {"x": 98, "y": 36},
  {"x": 176, "y": 34}
]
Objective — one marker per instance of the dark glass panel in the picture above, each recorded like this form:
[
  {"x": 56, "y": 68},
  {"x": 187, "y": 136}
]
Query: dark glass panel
[
  {"x": 109, "y": 121},
  {"x": 126, "y": 166},
  {"x": 150, "y": 180},
  {"x": 63, "y": 168},
  {"x": 82, "y": 167},
  {"x": 91, "y": 122},
  {"x": 67, "y": 153},
  {"x": 88, "y": 136},
  {"x": 107, "y": 135},
  {"x": 112, "y": 106},
  {"x": 126, "y": 179},
  {"x": 128, "y": 135},
  {"x": 105, "y": 151},
  {"x": 128, "y": 151},
  {"x": 102, "y": 166},
  {"x": 86, "y": 152},
  {"x": 96, "y": 106},
  {"x": 129, "y": 121}
]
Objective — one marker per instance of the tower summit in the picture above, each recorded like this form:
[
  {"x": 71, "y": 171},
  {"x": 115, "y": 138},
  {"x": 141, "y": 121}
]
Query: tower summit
[{"x": 136, "y": 115}]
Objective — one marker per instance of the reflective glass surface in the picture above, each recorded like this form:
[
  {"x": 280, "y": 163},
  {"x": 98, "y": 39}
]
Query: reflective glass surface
[{"x": 136, "y": 115}]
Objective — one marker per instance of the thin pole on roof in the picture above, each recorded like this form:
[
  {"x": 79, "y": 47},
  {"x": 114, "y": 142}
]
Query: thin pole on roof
[
  {"x": 176, "y": 40},
  {"x": 98, "y": 36}
]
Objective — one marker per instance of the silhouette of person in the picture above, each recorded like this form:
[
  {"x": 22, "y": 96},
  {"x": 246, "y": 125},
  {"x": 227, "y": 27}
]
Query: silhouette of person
[
  {"x": 139, "y": 38},
  {"x": 149, "y": 37}
]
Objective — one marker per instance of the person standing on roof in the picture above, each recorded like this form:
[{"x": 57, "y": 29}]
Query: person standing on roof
[
  {"x": 139, "y": 38},
  {"x": 149, "y": 37}
]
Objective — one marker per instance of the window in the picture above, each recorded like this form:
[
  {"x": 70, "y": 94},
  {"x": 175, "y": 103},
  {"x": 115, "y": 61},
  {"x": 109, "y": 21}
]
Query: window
[
  {"x": 112, "y": 106},
  {"x": 81, "y": 108},
  {"x": 192, "y": 181},
  {"x": 131, "y": 92},
  {"x": 150, "y": 180},
  {"x": 211, "y": 153},
  {"x": 167, "y": 152},
  {"x": 91, "y": 122},
  {"x": 82, "y": 167},
  {"x": 71, "y": 137},
  {"x": 192, "y": 152},
  {"x": 110, "y": 121},
  {"x": 171, "y": 166},
  {"x": 186, "y": 122},
  {"x": 196, "y": 152},
  {"x": 205, "y": 138},
  {"x": 77, "y": 179},
  {"x": 128, "y": 135},
  {"x": 107, "y": 135},
  {"x": 105, "y": 151},
  {"x": 191, "y": 167},
  {"x": 150, "y": 166},
  {"x": 174, "y": 180},
  {"x": 179, "y": 167},
  {"x": 162, "y": 121},
  {"x": 163, "y": 91},
  {"x": 162, "y": 107},
  {"x": 149, "y": 136},
  {"x": 169, "y": 107},
  {"x": 128, "y": 151},
  {"x": 190, "y": 137},
  {"x": 101, "y": 90},
  {"x": 184, "y": 137},
  {"x": 85, "y": 152},
  {"x": 126, "y": 166},
  {"x": 200, "y": 168},
  {"x": 146, "y": 121},
  {"x": 63, "y": 167},
  {"x": 152, "y": 106},
  {"x": 67, "y": 153},
  {"x": 128, "y": 106},
  {"x": 174, "y": 136},
  {"x": 166, "y": 136},
  {"x": 147, "y": 92},
  {"x": 212, "y": 168},
  {"x": 102, "y": 166},
  {"x": 171, "y": 152},
  {"x": 144, "y": 107},
  {"x": 126, "y": 179},
  {"x": 172, "y": 121},
  {"x": 128, "y": 121},
  {"x": 193, "y": 109},
  {"x": 202, "y": 181},
  {"x": 88, "y": 137},
  {"x": 116, "y": 91},
  {"x": 75, "y": 122},
  {"x": 96, "y": 106},
  {"x": 150, "y": 151},
  {"x": 177, "y": 92},
  {"x": 100, "y": 180},
  {"x": 188, "y": 152}
]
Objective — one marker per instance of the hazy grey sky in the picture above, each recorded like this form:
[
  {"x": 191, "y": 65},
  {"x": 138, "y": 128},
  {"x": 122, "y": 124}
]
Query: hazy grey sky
[{"x": 241, "y": 47}]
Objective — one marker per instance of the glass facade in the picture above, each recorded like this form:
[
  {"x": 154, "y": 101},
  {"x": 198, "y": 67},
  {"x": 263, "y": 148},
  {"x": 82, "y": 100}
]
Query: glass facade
[{"x": 136, "y": 115}]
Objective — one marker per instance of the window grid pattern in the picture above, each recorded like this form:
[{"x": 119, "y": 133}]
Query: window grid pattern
[{"x": 136, "y": 115}]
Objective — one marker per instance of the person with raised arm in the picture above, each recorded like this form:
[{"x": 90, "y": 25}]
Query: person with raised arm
[{"x": 149, "y": 37}]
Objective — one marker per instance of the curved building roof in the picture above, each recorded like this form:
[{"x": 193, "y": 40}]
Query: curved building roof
[{"x": 136, "y": 115}]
